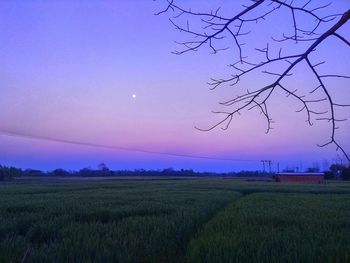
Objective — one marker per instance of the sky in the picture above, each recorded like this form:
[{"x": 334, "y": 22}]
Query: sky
[{"x": 69, "y": 70}]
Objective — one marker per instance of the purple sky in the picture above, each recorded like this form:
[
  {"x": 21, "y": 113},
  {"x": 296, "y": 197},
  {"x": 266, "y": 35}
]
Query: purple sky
[{"x": 69, "y": 68}]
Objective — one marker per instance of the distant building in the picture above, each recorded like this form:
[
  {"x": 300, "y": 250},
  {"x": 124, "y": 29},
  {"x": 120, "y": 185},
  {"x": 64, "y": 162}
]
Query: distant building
[{"x": 306, "y": 178}]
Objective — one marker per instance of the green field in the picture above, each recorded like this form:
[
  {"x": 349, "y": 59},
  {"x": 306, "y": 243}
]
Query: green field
[{"x": 205, "y": 220}]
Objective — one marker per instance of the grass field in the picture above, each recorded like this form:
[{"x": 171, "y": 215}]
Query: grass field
[{"x": 204, "y": 220}]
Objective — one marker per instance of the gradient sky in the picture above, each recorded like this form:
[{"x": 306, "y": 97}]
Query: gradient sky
[{"x": 69, "y": 68}]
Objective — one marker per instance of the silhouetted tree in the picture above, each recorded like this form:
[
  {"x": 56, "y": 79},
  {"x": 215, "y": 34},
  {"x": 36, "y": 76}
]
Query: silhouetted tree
[
  {"x": 33, "y": 172},
  {"x": 346, "y": 174},
  {"x": 104, "y": 170},
  {"x": 212, "y": 27},
  {"x": 60, "y": 172},
  {"x": 7, "y": 173},
  {"x": 313, "y": 170},
  {"x": 337, "y": 170},
  {"x": 86, "y": 172}
]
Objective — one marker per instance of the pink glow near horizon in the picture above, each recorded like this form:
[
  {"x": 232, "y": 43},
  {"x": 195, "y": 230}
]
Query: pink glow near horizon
[{"x": 69, "y": 71}]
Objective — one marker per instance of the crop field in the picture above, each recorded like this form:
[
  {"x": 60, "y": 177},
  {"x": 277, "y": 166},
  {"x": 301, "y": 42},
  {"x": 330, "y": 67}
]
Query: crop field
[{"x": 202, "y": 220}]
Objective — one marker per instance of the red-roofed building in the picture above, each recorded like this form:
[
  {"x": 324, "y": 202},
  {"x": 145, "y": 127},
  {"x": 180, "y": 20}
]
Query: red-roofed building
[{"x": 306, "y": 178}]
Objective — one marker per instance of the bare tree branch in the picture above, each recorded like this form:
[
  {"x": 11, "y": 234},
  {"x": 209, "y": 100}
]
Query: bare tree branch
[{"x": 216, "y": 27}]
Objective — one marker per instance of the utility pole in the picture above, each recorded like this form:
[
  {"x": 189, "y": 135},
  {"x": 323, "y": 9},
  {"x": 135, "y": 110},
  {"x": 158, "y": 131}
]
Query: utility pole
[
  {"x": 268, "y": 162},
  {"x": 263, "y": 162}
]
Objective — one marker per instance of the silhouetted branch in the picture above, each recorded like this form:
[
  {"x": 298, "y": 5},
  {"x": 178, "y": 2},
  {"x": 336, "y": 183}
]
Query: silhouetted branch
[
  {"x": 216, "y": 27},
  {"x": 342, "y": 39}
]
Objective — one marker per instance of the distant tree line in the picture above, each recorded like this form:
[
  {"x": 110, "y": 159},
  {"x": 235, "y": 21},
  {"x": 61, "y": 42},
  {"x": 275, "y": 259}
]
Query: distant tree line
[
  {"x": 7, "y": 173},
  {"x": 336, "y": 171}
]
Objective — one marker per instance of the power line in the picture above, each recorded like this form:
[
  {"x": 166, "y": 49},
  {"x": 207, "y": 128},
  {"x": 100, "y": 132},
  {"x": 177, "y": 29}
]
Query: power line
[{"x": 118, "y": 148}]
